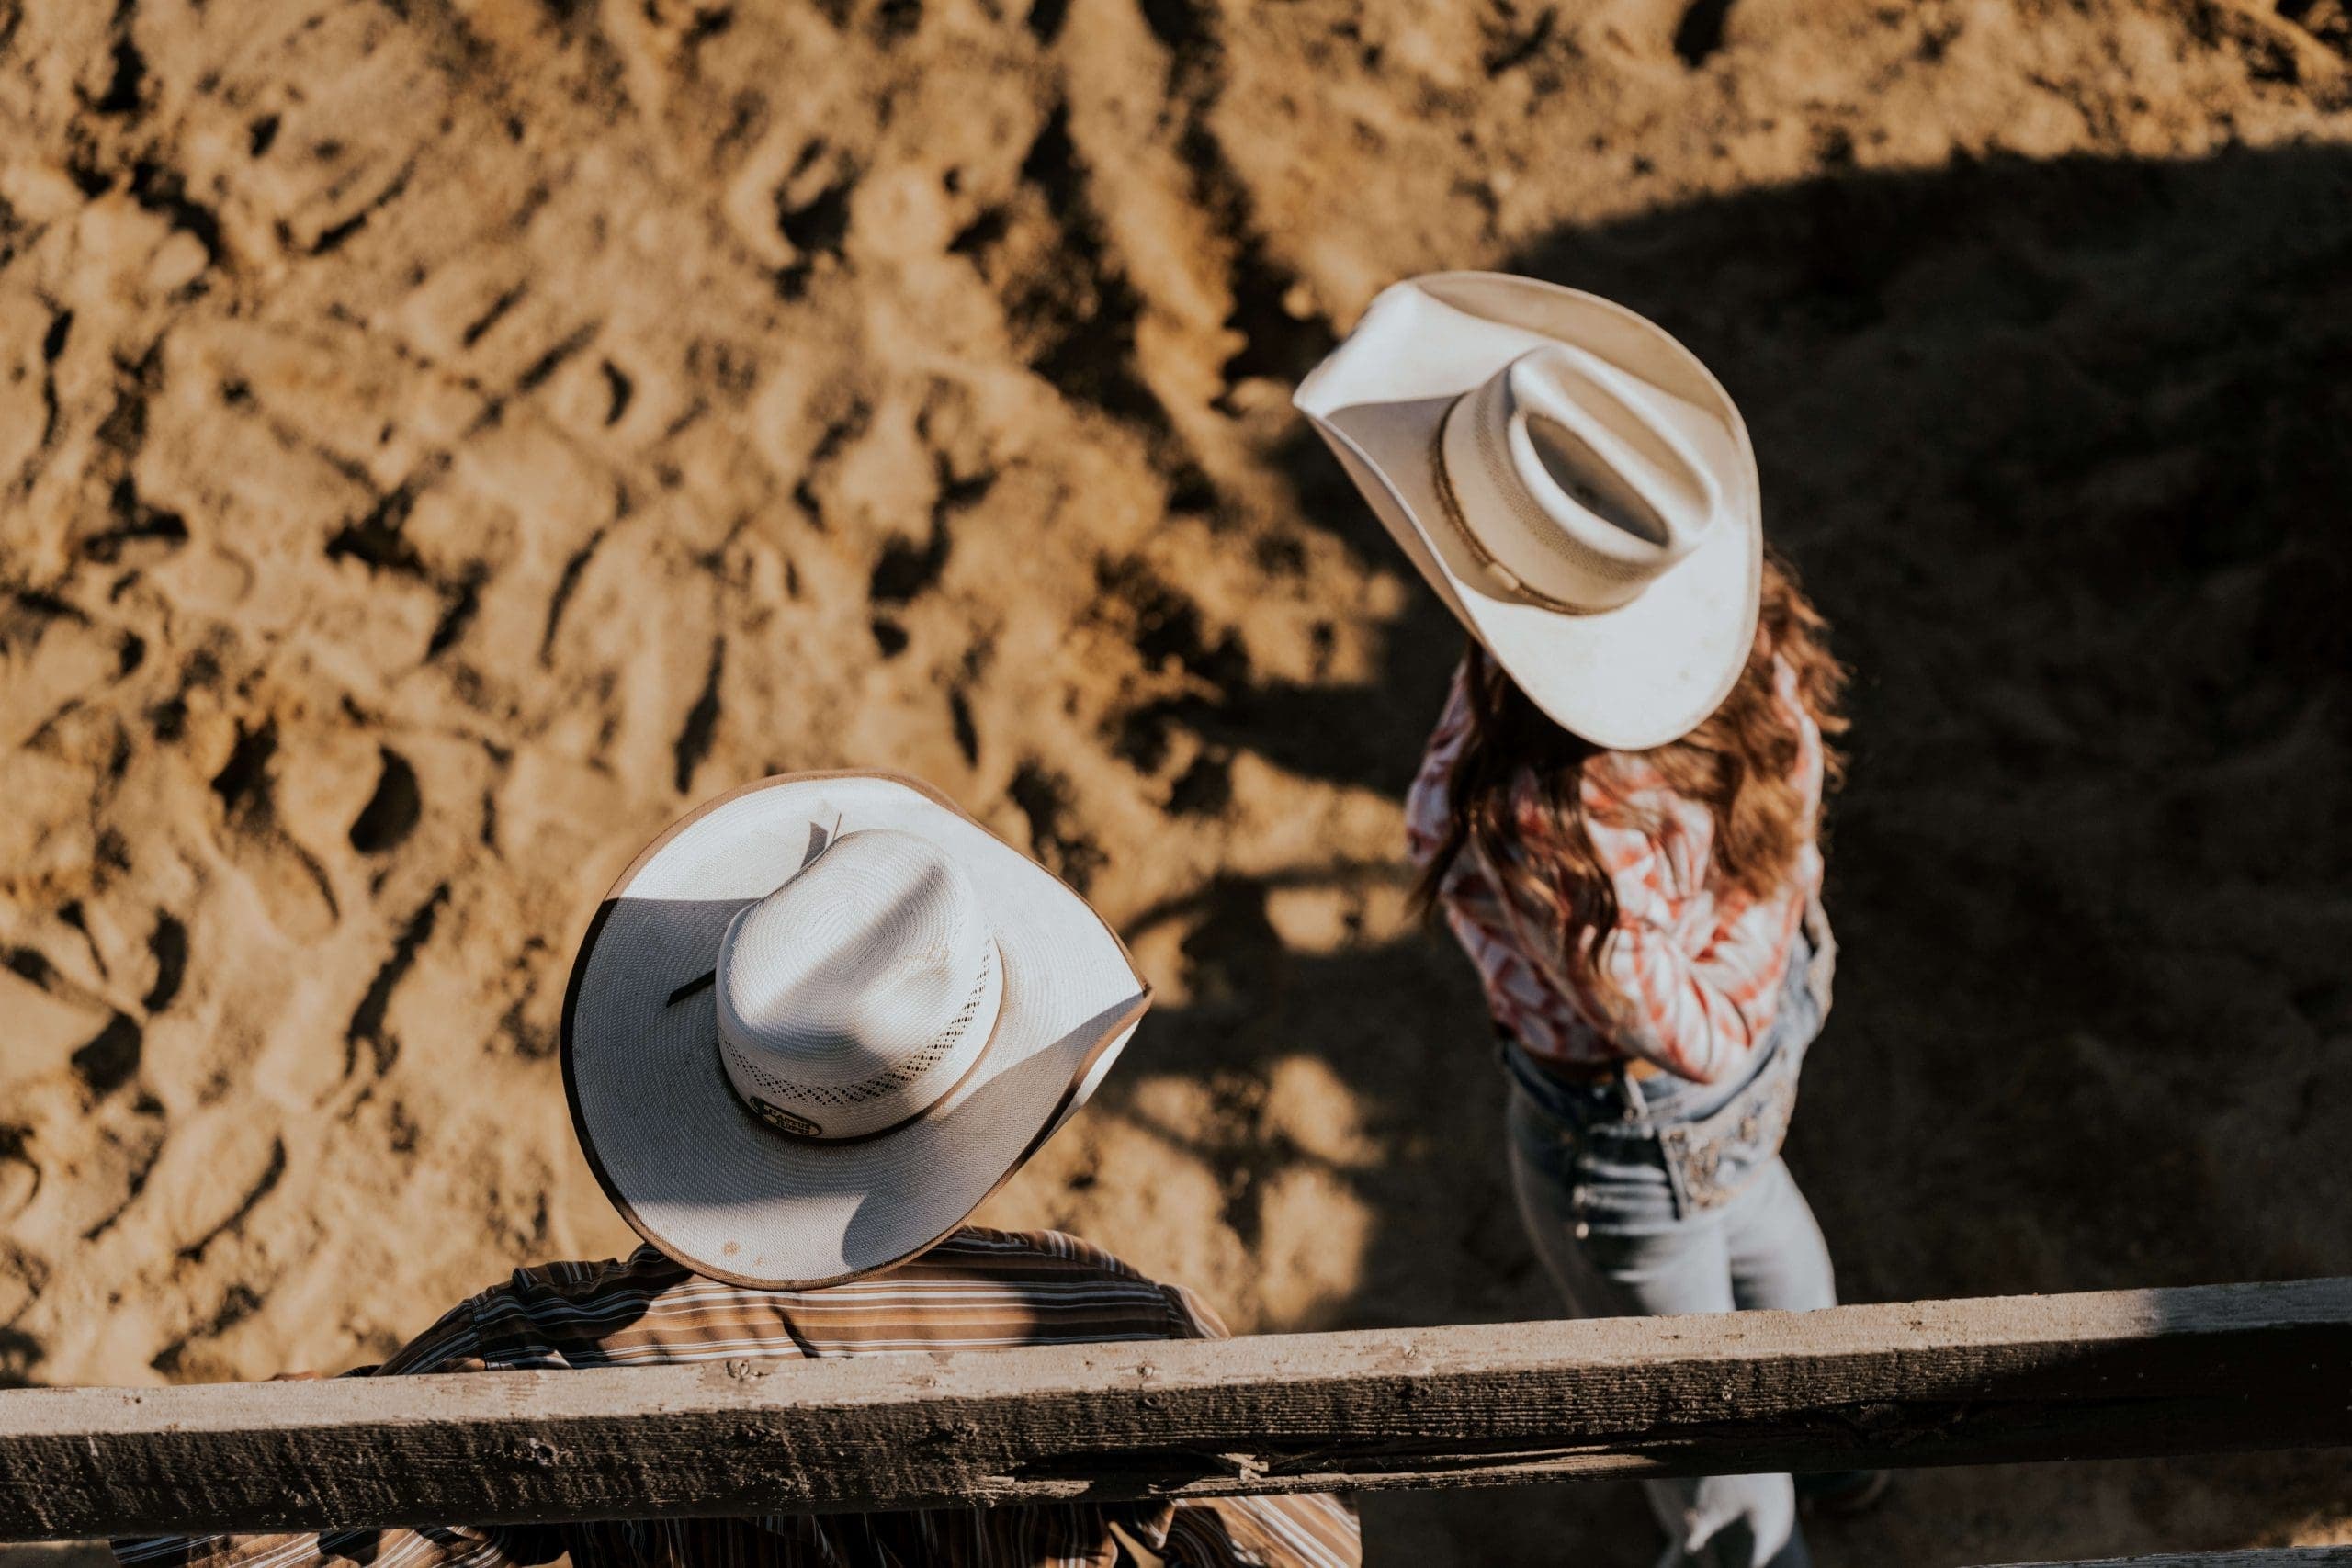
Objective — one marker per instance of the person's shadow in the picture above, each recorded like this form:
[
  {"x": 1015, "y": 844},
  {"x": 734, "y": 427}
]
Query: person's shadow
[{"x": 2065, "y": 451}]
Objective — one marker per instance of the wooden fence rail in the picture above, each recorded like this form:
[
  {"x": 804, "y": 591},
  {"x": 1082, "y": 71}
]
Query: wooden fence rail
[{"x": 2124, "y": 1374}]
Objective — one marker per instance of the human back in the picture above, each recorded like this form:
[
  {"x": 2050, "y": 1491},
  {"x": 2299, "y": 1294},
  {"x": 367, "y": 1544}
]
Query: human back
[
  {"x": 977, "y": 1290},
  {"x": 813, "y": 1026},
  {"x": 1540, "y": 847}
]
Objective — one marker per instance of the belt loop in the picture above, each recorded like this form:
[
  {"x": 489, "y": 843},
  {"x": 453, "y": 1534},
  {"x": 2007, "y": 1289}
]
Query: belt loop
[{"x": 1629, "y": 1088}]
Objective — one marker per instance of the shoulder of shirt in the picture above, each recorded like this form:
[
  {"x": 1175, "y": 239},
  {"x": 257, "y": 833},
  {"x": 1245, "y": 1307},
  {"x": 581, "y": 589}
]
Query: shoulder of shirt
[
  {"x": 1614, "y": 783},
  {"x": 549, "y": 1299},
  {"x": 982, "y": 1250},
  {"x": 646, "y": 1270},
  {"x": 971, "y": 1248},
  {"x": 1055, "y": 1259}
]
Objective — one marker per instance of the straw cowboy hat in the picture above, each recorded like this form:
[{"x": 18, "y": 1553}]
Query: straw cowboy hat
[
  {"x": 1574, "y": 485},
  {"x": 822, "y": 1017}
]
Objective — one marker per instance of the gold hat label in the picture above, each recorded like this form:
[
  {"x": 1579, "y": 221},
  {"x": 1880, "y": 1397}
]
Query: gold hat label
[{"x": 784, "y": 1121}]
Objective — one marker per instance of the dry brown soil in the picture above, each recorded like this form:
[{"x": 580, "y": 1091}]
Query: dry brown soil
[{"x": 442, "y": 439}]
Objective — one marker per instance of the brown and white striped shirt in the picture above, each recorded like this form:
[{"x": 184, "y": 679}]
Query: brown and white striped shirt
[{"x": 979, "y": 1289}]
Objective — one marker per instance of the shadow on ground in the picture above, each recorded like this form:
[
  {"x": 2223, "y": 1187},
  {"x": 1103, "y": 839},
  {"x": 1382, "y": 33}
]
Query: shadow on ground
[{"x": 2062, "y": 449}]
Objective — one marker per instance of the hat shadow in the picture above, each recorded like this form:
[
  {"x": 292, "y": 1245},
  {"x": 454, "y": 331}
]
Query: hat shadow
[{"x": 2057, "y": 448}]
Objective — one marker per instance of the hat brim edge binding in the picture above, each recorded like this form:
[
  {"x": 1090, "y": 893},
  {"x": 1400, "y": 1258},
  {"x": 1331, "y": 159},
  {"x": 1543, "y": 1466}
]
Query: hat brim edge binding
[
  {"x": 1613, "y": 649},
  {"x": 1112, "y": 1036}
]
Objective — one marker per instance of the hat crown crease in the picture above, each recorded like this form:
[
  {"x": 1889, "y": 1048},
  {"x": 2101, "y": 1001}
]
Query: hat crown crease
[
  {"x": 1573, "y": 480},
  {"x": 1622, "y": 462},
  {"x": 856, "y": 995},
  {"x": 1621, "y": 654}
]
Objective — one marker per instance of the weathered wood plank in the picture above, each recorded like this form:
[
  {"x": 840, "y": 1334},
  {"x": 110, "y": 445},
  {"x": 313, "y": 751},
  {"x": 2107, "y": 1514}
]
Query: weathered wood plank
[
  {"x": 2129, "y": 1373},
  {"x": 2275, "y": 1557}
]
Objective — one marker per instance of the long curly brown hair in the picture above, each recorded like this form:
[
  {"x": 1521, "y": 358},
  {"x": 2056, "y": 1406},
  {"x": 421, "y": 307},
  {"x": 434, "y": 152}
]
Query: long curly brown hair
[{"x": 1738, "y": 762}]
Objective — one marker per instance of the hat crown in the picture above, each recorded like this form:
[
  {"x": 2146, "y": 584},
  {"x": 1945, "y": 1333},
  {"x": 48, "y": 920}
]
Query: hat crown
[
  {"x": 855, "y": 995},
  {"x": 1577, "y": 480}
]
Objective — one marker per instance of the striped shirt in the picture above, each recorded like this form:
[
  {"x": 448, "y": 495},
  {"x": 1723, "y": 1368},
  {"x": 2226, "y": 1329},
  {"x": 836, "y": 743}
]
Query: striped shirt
[
  {"x": 979, "y": 1289},
  {"x": 1700, "y": 963}
]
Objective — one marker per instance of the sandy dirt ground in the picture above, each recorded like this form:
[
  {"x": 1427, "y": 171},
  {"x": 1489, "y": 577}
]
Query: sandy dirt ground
[{"x": 443, "y": 439}]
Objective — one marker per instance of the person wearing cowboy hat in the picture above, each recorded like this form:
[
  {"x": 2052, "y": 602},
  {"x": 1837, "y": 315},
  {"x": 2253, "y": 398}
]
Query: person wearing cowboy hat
[
  {"x": 1619, "y": 813},
  {"x": 810, "y": 1029}
]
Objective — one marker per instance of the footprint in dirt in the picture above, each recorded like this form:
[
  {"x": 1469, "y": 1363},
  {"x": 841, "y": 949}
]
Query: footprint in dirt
[
  {"x": 1166, "y": 627},
  {"x": 111, "y": 1057},
  {"x": 699, "y": 730},
  {"x": 392, "y": 811},
  {"x": 1069, "y": 307},
  {"x": 20, "y": 1176},
  {"x": 293, "y": 886},
  {"x": 369, "y": 1028},
  {"x": 167, "y": 946},
  {"x": 812, "y": 213},
  {"x": 843, "y": 425},
  {"x": 1045, "y": 799},
  {"x": 19, "y": 1354},
  {"x": 968, "y": 733},
  {"x": 960, "y": 718},
  {"x": 238, "y": 1302},
  {"x": 962, "y": 477},
  {"x": 906, "y": 569}
]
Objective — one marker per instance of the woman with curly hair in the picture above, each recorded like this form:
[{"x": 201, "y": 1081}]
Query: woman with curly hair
[{"x": 1620, "y": 812}]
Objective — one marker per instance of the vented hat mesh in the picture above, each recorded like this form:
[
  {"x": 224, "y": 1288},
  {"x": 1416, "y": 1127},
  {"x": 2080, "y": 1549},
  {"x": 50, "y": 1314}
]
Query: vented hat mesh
[{"x": 860, "y": 991}]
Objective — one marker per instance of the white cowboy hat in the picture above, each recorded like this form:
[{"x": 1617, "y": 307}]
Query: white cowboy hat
[
  {"x": 824, "y": 1016},
  {"x": 1574, "y": 485}
]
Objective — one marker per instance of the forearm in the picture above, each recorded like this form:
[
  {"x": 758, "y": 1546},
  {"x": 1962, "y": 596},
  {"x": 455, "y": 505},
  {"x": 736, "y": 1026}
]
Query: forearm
[
  {"x": 1700, "y": 1014},
  {"x": 1674, "y": 1015}
]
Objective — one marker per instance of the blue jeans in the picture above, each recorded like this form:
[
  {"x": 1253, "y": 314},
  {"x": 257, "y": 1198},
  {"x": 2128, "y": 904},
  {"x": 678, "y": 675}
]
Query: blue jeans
[{"x": 1661, "y": 1196}]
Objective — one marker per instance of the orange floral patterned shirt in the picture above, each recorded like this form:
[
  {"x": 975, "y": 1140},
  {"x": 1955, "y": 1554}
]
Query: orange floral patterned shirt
[{"x": 1700, "y": 962}]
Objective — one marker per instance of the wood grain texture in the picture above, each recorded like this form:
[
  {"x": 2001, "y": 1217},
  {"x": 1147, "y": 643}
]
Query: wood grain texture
[{"x": 2123, "y": 1374}]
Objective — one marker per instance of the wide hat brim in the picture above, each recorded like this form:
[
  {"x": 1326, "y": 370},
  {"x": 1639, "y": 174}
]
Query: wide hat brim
[
  {"x": 692, "y": 1170},
  {"x": 1630, "y": 678}
]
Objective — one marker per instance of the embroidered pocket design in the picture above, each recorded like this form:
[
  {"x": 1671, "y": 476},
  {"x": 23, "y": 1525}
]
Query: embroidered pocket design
[{"x": 1712, "y": 1161}]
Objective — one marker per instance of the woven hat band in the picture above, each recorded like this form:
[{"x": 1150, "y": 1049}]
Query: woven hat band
[{"x": 854, "y": 998}]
